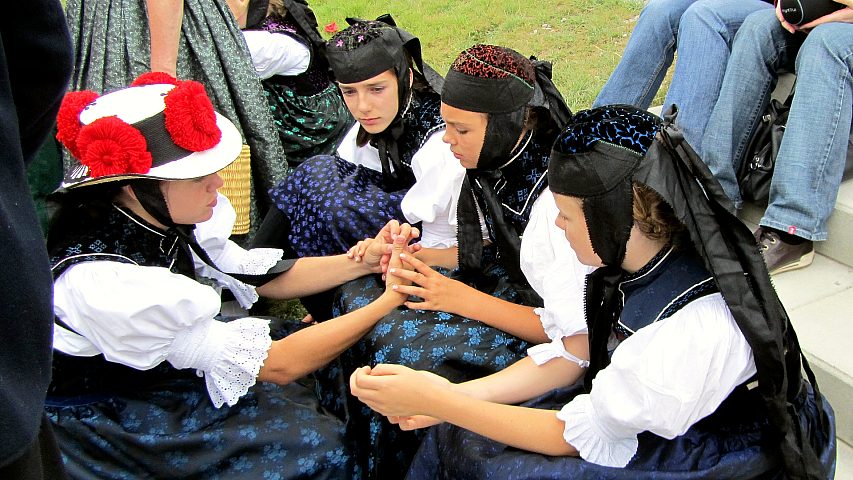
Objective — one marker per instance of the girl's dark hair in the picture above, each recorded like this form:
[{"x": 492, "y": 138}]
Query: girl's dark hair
[{"x": 77, "y": 208}]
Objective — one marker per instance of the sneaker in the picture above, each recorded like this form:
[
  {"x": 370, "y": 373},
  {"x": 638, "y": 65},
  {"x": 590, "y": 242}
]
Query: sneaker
[{"x": 780, "y": 256}]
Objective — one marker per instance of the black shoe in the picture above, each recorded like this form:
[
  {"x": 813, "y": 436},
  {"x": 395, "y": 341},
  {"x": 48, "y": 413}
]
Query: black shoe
[{"x": 780, "y": 256}]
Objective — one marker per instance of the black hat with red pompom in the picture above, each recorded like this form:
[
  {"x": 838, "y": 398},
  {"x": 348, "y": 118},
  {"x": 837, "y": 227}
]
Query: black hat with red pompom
[{"x": 158, "y": 128}]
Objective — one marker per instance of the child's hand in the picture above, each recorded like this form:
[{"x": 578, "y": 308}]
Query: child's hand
[
  {"x": 414, "y": 422},
  {"x": 437, "y": 291},
  {"x": 395, "y": 390}
]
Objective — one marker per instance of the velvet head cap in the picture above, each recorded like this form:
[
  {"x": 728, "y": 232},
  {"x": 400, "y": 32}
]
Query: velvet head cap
[
  {"x": 489, "y": 79},
  {"x": 369, "y": 47},
  {"x": 595, "y": 158}
]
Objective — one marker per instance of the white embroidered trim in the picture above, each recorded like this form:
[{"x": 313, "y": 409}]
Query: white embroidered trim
[{"x": 228, "y": 354}]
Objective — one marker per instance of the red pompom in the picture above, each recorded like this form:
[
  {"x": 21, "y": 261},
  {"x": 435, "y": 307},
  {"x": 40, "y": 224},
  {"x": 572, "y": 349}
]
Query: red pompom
[
  {"x": 190, "y": 118},
  {"x": 154, "y": 78},
  {"x": 68, "y": 119},
  {"x": 110, "y": 146}
]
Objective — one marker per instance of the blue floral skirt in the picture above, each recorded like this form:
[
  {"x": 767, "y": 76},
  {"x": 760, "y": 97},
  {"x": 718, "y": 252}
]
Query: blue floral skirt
[
  {"x": 732, "y": 444},
  {"x": 273, "y": 432},
  {"x": 452, "y": 346},
  {"x": 331, "y": 204}
]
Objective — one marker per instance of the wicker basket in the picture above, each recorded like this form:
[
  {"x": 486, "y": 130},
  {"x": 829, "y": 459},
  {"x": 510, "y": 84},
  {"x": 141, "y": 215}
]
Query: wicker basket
[{"x": 237, "y": 187}]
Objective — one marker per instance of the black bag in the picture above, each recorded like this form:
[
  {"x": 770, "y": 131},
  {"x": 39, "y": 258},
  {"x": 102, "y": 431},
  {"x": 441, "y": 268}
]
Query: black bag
[{"x": 756, "y": 169}]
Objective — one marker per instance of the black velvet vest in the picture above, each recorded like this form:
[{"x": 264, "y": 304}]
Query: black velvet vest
[{"x": 117, "y": 236}]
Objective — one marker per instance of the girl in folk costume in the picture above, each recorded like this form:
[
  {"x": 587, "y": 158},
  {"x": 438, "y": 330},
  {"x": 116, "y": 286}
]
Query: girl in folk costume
[
  {"x": 676, "y": 319},
  {"x": 490, "y": 94},
  {"x": 290, "y": 58},
  {"x": 147, "y": 380},
  {"x": 331, "y": 202}
]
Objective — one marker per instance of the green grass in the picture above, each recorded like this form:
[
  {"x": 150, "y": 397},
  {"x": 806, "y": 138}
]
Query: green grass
[{"x": 583, "y": 38}]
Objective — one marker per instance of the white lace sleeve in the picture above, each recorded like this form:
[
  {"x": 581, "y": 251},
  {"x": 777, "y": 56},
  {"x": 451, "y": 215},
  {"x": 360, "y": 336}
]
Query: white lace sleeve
[
  {"x": 663, "y": 379},
  {"x": 213, "y": 235},
  {"x": 229, "y": 355}
]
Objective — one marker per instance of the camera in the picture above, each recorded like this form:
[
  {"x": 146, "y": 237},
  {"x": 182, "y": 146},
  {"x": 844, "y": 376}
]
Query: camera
[{"x": 798, "y": 12}]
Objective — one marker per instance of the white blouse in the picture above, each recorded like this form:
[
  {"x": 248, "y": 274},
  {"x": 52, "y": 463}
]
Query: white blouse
[
  {"x": 662, "y": 379},
  {"x": 276, "y": 53},
  {"x": 434, "y": 197},
  {"x": 141, "y": 316}
]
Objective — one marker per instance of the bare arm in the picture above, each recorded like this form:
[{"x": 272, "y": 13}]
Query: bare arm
[
  {"x": 164, "y": 24},
  {"x": 307, "y": 350},
  {"x": 397, "y": 391},
  {"x": 313, "y": 347},
  {"x": 310, "y": 275},
  {"x": 444, "y": 294}
]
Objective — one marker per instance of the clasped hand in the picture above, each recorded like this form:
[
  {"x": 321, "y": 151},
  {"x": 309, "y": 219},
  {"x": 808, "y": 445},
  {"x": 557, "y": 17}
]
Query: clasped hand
[{"x": 376, "y": 252}]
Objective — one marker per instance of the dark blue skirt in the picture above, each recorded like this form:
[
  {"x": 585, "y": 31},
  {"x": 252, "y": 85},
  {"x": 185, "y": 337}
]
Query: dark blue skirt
[
  {"x": 732, "y": 443},
  {"x": 330, "y": 204},
  {"x": 452, "y": 346}
]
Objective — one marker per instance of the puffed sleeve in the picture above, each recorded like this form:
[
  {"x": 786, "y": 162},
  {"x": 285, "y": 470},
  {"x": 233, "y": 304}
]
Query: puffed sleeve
[
  {"x": 663, "y": 379},
  {"x": 276, "y": 54},
  {"x": 554, "y": 271},
  {"x": 213, "y": 236},
  {"x": 434, "y": 197},
  {"x": 141, "y": 316}
]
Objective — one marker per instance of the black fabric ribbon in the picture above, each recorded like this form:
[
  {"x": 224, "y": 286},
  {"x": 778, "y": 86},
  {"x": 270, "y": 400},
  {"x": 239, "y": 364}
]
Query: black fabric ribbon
[
  {"x": 603, "y": 309},
  {"x": 551, "y": 99},
  {"x": 150, "y": 195}
]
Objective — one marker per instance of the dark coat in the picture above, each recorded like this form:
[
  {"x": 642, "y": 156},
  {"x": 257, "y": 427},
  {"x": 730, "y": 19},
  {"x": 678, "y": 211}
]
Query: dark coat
[{"x": 35, "y": 65}]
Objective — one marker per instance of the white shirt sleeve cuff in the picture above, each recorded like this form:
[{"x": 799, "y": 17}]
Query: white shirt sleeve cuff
[
  {"x": 228, "y": 354},
  {"x": 593, "y": 444},
  {"x": 545, "y": 352}
]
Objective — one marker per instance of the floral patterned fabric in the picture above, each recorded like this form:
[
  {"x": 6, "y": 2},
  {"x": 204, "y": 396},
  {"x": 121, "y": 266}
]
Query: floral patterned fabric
[{"x": 455, "y": 347}]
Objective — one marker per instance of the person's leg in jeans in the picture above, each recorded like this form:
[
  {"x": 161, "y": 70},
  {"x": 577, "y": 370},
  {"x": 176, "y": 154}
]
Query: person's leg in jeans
[
  {"x": 760, "y": 49},
  {"x": 705, "y": 37},
  {"x": 811, "y": 158},
  {"x": 648, "y": 55}
]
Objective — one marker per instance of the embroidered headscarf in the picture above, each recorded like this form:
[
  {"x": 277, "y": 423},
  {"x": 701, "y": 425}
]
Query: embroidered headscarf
[
  {"x": 366, "y": 49},
  {"x": 505, "y": 85},
  {"x": 596, "y": 158}
]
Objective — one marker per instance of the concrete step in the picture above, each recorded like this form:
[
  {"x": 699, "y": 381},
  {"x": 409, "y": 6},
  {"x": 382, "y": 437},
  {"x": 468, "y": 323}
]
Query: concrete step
[
  {"x": 844, "y": 468},
  {"x": 817, "y": 299}
]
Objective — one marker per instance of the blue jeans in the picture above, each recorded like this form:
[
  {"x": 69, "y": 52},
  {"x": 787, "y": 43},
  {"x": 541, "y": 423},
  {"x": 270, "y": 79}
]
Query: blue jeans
[
  {"x": 811, "y": 158},
  {"x": 703, "y": 31}
]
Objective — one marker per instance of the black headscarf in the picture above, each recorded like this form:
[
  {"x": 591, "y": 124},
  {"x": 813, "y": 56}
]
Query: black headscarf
[
  {"x": 596, "y": 158},
  {"x": 505, "y": 85},
  {"x": 364, "y": 50}
]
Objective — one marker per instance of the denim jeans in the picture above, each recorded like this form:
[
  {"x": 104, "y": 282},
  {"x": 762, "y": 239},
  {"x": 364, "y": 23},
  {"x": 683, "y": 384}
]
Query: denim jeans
[
  {"x": 703, "y": 32},
  {"x": 811, "y": 158}
]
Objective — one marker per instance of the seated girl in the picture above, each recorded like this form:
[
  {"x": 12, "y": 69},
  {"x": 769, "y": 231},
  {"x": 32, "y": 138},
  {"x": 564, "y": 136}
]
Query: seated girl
[
  {"x": 147, "y": 381},
  {"x": 331, "y": 202},
  {"x": 502, "y": 114},
  {"x": 681, "y": 319},
  {"x": 290, "y": 59}
]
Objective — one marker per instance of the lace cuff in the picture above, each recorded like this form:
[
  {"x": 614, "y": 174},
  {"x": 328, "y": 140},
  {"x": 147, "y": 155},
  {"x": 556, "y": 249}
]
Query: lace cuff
[
  {"x": 229, "y": 355},
  {"x": 256, "y": 261},
  {"x": 591, "y": 441},
  {"x": 545, "y": 352}
]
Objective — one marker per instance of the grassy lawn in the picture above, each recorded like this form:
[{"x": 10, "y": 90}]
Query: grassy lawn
[{"x": 583, "y": 38}]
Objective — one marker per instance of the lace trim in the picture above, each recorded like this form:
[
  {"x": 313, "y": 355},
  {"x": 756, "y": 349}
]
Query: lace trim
[{"x": 245, "y": 344}]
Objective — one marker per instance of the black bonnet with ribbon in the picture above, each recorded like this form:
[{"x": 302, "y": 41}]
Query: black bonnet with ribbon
[
  {"x": 366, "y": 49},
  {"x": 505, "y": 85},
  {"x": 596, "y": 158}
]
